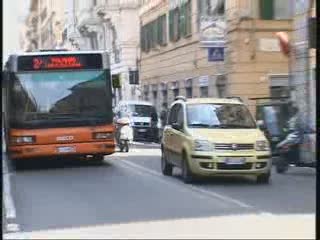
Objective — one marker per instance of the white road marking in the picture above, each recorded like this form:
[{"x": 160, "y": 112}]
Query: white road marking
[
  {"x": 188, "y": 187},
  {"x": 12, "y": 227},
  {"x": 15, "y": 236}
]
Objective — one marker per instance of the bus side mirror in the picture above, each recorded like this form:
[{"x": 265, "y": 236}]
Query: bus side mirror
[{"x": 116, "y": 83}]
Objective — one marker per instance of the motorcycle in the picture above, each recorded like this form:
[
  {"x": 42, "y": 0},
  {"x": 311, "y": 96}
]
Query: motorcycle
[
  {"x": 289, "y": 153},
  {"x": 124, "y": 134}
]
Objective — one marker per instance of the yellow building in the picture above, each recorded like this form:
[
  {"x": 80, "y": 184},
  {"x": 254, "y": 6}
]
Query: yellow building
[{"x": 217, "y": 48}]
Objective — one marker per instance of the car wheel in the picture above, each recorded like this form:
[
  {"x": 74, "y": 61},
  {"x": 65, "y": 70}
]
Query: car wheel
[
  {"x": 282, "y": 166},
  {"x": 187, "y": 176},
  {"x": 166, "y": 167},
  {"x": 121, "y": 147},
  {"x": 127, "y": 146},
  {"x": 263, "y": 178}
]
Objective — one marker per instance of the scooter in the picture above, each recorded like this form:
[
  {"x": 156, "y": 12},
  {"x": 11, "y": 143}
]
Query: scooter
[
  {"x": 289, "y": 154},
  {"x": 124, "y": 134}
]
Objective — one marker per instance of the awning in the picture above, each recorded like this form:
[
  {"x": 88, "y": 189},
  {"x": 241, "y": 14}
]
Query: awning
[{"x": 284, "y": 42}]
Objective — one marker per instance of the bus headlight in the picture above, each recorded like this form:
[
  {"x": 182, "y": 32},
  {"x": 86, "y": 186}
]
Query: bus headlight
[
  {"x": 103, "y": 135},
  {"x": 203, "y": 145},
  {"x": 262, "y": 146},
  {"x": 23, "y": 139}
]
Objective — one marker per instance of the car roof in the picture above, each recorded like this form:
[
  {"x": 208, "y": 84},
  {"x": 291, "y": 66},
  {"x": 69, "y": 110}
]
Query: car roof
[
  {"x": 212, "y": 100},
  {"x": 135, "y": 103}
]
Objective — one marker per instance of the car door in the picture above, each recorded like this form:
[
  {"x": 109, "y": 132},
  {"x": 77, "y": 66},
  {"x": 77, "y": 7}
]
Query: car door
[
  {"x": 168, "y": 134},
  {"x": 177, "y": 136}
]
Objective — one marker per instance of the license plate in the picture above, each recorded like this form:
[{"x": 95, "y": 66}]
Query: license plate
[
  {"x": 66, "y": 149},
  {"x": 142, "y": 130},
  {"x": 234, "y": 161}
]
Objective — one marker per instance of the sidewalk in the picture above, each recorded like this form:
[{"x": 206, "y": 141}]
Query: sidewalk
[{"x": 250, "y": 226}]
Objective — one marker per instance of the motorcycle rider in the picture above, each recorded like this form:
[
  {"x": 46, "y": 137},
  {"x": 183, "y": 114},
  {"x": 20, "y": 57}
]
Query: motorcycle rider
[
  {"x": 295, "y": 124},
  {"x": 289, "y": 147},
  {"x": 124, "y": 132}
]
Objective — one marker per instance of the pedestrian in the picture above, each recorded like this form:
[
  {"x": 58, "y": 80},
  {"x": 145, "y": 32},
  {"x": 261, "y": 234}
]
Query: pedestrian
[
  {"x": 154, "y": 125},
  {"x": 163, "y": 114}
]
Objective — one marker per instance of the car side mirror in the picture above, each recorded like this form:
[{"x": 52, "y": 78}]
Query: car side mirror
[
  {"x": 177, "y": 126},
  {"x": 261, "y": 125}
]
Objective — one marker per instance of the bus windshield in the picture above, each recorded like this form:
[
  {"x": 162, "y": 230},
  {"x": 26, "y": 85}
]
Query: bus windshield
[{"x": 60, "y": 98}]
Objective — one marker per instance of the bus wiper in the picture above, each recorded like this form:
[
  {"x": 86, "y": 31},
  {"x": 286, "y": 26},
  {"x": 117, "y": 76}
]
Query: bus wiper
[{"x": 37, "y": 116}]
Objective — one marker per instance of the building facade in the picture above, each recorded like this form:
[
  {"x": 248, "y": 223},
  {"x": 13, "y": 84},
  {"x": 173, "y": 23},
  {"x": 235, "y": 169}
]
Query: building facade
[
  {"x": 113, "y": 26},
  {"x": 200, "y": 48},
  {"x": 44, "y": 25},
  {"x": 303, "y": 70}
]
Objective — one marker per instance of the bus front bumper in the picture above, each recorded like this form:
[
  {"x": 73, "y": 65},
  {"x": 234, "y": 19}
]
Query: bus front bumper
[{"x": 52, "y": 150}]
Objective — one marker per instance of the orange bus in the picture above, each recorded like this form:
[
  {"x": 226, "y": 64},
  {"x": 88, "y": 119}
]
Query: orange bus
[{"x": 58, "y": 104}]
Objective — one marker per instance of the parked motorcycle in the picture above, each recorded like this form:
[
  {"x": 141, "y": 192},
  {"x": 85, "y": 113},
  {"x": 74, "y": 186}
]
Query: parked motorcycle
[{"x": 124, "y": 134}]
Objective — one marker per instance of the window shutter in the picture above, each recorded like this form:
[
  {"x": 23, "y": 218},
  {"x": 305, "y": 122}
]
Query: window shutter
[
  {"x": 171, "y": 24},
  {"x": 267, "y": 9},
  {"x": 312, "y": 32},
  {"x": 148, "y": 37},
  {"x": 176, "y": 24},
  {"x": 182, "y": 20},
  {"x": 159, "y": 21},
  {"x": 154, "y": 33},
  {"x": 142, "y": 38},
  {"x": 164, "y": 29},
  {"x": 189, "y": 17}
]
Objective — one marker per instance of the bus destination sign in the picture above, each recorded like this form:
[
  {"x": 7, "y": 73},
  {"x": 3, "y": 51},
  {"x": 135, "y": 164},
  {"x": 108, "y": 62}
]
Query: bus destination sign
[{"x": 57, "y": 62}]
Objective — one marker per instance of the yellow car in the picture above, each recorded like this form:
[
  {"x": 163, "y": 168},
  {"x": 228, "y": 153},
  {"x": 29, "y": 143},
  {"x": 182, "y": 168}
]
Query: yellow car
[{"x": 207, "y": 137}]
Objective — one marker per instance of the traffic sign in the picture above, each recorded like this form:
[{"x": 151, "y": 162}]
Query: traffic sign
[{"x": 215, "y": 54}]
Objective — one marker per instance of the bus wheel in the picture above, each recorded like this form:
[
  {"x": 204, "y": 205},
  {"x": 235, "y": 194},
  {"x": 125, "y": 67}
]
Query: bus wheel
[{"x": 98, "y": 158}]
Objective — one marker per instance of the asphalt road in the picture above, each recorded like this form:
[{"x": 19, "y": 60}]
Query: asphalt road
[{"x": 128, "y": 190}]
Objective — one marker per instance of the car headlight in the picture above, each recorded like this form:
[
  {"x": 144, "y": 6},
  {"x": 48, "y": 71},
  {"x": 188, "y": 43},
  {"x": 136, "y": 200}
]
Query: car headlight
[
  {"x": 23, "y": 139},
  {"x": 262, "y": 146},
  {"x": 203, "y": 145},
  {"x": 103, "y": 135}
]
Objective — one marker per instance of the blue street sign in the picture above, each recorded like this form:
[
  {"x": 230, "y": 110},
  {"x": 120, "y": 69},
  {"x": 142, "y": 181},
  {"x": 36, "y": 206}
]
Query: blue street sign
[{"x": 215, "y": 54}]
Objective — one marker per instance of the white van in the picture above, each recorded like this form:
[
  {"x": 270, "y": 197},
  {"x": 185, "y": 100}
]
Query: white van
[{"x": 143, "y": 119}]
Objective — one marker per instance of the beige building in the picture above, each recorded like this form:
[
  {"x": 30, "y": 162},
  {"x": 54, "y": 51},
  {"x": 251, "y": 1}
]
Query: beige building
[
  {"x": 29, "y": 33},
  {"x": 218, "y": 48},
  {"x": 45, "y": 25}
]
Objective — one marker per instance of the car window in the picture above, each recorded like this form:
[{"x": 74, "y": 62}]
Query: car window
[
  {"x": 180, "y": 119},
  {"x": 173, "y": 115}
]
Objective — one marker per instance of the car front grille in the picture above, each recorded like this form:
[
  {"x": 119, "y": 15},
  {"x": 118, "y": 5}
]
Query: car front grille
[
  {"x": 234, "y": 146},
  {"x": 141, "y": 124}
]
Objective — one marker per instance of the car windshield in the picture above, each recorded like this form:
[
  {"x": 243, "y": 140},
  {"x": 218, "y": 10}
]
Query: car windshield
[
  {"x": 45, "y": 98},
  {"x": 219, "y": 116}
]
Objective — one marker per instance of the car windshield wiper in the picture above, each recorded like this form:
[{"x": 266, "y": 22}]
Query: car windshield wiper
[
  {"x": 199, "y": 125},
  {"x": 235, "y": 126}
]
